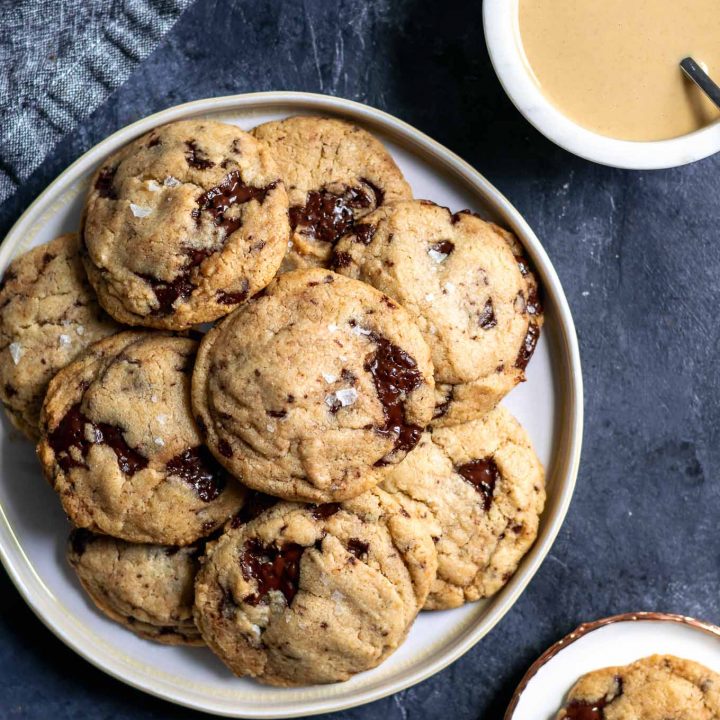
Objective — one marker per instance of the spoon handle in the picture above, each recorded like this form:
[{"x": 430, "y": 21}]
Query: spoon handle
[{"x": 701, "y": 79}]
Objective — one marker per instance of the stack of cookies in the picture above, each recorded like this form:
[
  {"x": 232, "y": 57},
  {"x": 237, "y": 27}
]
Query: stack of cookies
[{"x": 329, "y": 458}]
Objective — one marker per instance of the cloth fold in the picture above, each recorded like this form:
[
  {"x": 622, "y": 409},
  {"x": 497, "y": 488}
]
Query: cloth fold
[{"x": 59, "y": 59}]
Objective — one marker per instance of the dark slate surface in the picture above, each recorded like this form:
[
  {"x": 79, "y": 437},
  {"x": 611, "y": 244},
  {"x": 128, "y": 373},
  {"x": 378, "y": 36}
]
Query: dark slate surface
[{"x": 639, "y": 257}]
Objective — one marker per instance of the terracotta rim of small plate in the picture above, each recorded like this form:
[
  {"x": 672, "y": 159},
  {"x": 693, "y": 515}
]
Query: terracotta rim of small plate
[{"x": 588, "y": 627}]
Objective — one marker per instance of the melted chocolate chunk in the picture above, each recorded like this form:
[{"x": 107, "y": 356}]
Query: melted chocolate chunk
[
  {"x": 273, "y": 567},
  {"x": 395, "y": 374},
  {"x": 80, "y": 538},
  {"x": 129, "y": 460},
  {"x": 280, "y": 414},
  {"x": 167, "y": 292},
  {"x": 324, "y": 511},
  {"x": 255, "y": 504},
  {"x": 585, "y": 710},
  {"x": 73, "y": 431},
  {"x": 483, "y": 475},
  {"x": 154, "y": 141},
  {"x": 234, "y": 298},
  {"x": 104, "y": 183},
  {"x": 364, "y": 233},
  {"x": 224, "y": 449},
  {"x": 197, "y": 467},
  {"x": 327, "y": 216},
  {"x": 487, "y": 317},
  {"x": 68, "y": 434},
  {"x": 10, "y": 390},
  {"x": 528, "y": 346},
  {"x": 195, "y": 157},
  {"x": 444, "y": 246},
  {"x": 340, "y": 260},
  {"x": 357, "y": 547},
  {"x": 231, "y": 191},
  {"x": 442, "y": 408},
  {"x": 379, "y": 194},
  {"x": 181, "y": 287}
]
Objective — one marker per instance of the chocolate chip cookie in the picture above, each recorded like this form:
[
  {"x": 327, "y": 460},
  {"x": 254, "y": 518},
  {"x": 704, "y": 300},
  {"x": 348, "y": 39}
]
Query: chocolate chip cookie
[
  {"x": 658, "y": 687},
  {"x": 335, "y": 173},
  {"x": 314, "y": 594},
  {"x": 480, "y": 488},
  {"x": 184, "y": 224},
  {"x": 48, "y": 315},
  {"x": 148, "y": 589},
  {"x": 468, "y": 287},
  {"x": 306, "y": 390},
  {"x": 121, "y": 448}
]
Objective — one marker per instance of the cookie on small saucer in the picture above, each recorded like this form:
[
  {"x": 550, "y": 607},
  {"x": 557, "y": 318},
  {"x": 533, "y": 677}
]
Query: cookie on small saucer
[
  {"x": 309, "y": 388},
  {"x": 184, "y": 224},
  {"x": 148, "y": 589},
  {"x": 48, "y": 315},
  {"x": 481, "y": 489},
  {"x": 658, "y": 687},
  {"x": 465, "y": 283},
  {"x": 121, "y": 448},
  {"x": 314, "y": 594},
  {"x": 335, "y": 173}
]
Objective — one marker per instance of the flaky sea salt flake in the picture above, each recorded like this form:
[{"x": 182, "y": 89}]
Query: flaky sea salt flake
[
  {"x": 358, "y": 330},
  {"x": 65, "y": 340},
  {"x": 346, "y": 396},
  {"x": 16, "y": 351},
  {"x": 171, "y": 181},
  {"x": 140, "y": 212},
  {"x": 436, "y": 255}
]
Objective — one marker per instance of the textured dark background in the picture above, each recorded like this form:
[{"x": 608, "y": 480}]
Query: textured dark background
[{"x": 639, "y": 258}]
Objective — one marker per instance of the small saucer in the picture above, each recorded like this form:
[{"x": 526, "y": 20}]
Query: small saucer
[{"x": 616, "y": 640}]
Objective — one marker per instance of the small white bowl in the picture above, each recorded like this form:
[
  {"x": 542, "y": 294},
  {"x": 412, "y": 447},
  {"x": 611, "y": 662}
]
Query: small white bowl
[{"x": 502, "y": 35}]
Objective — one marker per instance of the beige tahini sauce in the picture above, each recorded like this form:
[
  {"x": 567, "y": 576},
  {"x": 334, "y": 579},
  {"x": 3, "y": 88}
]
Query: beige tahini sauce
[{"x": 612, "y": 65}]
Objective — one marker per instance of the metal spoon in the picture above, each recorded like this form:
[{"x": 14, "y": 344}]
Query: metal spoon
[{"x": 701, "y": 79}]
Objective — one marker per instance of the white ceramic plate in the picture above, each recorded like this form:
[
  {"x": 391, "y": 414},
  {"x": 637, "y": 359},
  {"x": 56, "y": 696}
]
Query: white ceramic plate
[
  {"x": 616, "y": 640},
  {"x": 33, "y": 529}
]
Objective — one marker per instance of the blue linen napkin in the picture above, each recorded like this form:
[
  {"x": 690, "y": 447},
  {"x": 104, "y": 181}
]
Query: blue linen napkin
[{"x": 59, "y": 59}]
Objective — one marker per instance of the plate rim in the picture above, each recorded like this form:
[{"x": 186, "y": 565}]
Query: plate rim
[
  {"x": 588, "y": 627},
  {"x": 22, "y": 572}
]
